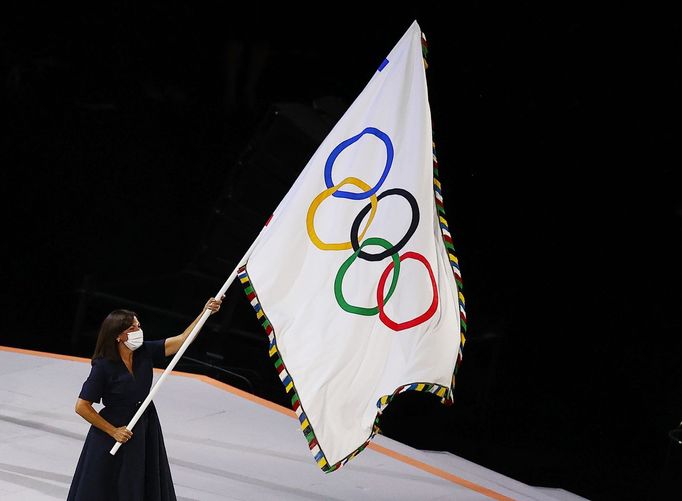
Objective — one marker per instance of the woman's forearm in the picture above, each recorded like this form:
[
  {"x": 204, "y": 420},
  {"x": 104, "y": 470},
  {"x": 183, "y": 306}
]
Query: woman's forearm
[
  {"x": 190, "y": 327},
  {"x": 187, "y": 332},
  {"x": 86, "y": 411},
  {"x": 173, "y": 344}
]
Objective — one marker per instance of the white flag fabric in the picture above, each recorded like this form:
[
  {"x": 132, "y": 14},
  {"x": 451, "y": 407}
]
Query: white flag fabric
[{"x": 354, "y": 277}]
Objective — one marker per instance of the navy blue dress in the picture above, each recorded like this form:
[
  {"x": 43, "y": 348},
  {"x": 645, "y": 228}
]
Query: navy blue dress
[{"x": 139, "y": 470}]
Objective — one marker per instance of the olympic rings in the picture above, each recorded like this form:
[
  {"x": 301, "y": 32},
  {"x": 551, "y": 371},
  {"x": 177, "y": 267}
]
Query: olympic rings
[
  {"x": 310, "y": 218},
  {"x": 399, "y": 326},
  {"x": 345, "y": 144},
  {"x": 354, "y": 238},
  {"x": 338, "y": 282}
]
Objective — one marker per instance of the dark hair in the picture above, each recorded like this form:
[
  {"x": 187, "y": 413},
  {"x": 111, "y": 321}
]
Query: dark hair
[{"x": 116, "y": 322}]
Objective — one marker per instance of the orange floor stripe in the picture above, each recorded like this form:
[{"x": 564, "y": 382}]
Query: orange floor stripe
[
  {"x": 43, "y": 354},
  {"x": 237, "y": 392},
  {"x": 438, "y": 472}
]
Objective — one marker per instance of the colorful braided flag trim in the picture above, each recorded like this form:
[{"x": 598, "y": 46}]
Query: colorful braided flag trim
[{"x": 447, "y": 240}]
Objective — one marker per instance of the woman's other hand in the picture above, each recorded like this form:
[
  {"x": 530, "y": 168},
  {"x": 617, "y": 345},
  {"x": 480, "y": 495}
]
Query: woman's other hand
[
  {"x": 122, "y": 434},
  {"x": 214, "y": 304}
]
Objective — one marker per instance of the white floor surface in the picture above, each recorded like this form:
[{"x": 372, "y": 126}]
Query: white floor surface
[{"x": 222, "y": 445}]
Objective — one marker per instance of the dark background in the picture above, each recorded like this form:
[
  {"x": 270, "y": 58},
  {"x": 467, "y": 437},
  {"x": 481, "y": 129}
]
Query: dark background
[{"x": 147, "y": 144}]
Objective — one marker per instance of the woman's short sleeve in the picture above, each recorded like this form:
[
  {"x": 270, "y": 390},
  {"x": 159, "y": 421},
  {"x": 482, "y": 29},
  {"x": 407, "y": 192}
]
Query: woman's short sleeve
[
  {"x": 93, "y": 388},
  {"x": 156, "y": 350}
]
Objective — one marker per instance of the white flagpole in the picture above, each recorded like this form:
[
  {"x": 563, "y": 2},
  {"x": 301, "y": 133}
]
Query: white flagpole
[{"x": 184, "y": 347}]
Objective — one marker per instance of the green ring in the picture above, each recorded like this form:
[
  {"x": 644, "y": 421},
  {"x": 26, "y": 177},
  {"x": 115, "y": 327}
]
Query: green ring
[{"x": 338, "y": 281}]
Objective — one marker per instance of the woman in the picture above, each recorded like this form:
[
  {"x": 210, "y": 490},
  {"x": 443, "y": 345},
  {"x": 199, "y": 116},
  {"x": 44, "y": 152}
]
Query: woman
[{"x": 121, "y": 376}]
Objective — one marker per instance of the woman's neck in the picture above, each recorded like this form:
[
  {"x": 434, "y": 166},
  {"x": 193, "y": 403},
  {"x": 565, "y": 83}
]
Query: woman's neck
[{"x": 126, "y": 353}]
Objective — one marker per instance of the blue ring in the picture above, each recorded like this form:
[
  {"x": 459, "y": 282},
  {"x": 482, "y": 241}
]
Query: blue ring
[{"x": 342, "y": 146}]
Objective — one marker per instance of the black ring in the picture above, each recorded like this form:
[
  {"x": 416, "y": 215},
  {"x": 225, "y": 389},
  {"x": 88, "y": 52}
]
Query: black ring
[{"x": 355, "y": 228}]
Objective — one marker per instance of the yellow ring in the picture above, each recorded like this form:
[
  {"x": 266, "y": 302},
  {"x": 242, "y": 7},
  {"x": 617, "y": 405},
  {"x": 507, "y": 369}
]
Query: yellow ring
[{"x": 310, "y": 218}]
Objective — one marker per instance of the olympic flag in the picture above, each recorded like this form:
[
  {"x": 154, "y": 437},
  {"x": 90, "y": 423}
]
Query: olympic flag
[{"x": 354, "y": 278}]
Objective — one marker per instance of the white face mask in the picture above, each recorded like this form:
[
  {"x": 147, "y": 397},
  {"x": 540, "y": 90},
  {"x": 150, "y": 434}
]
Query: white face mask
[{"x": 135, "y": 339}]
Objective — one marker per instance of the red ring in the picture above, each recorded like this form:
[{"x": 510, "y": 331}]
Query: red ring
[{"x": 399, "y": 326}]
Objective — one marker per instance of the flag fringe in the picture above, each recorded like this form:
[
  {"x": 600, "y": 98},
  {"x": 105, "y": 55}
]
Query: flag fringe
[{"x": 449, "y": 246}]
